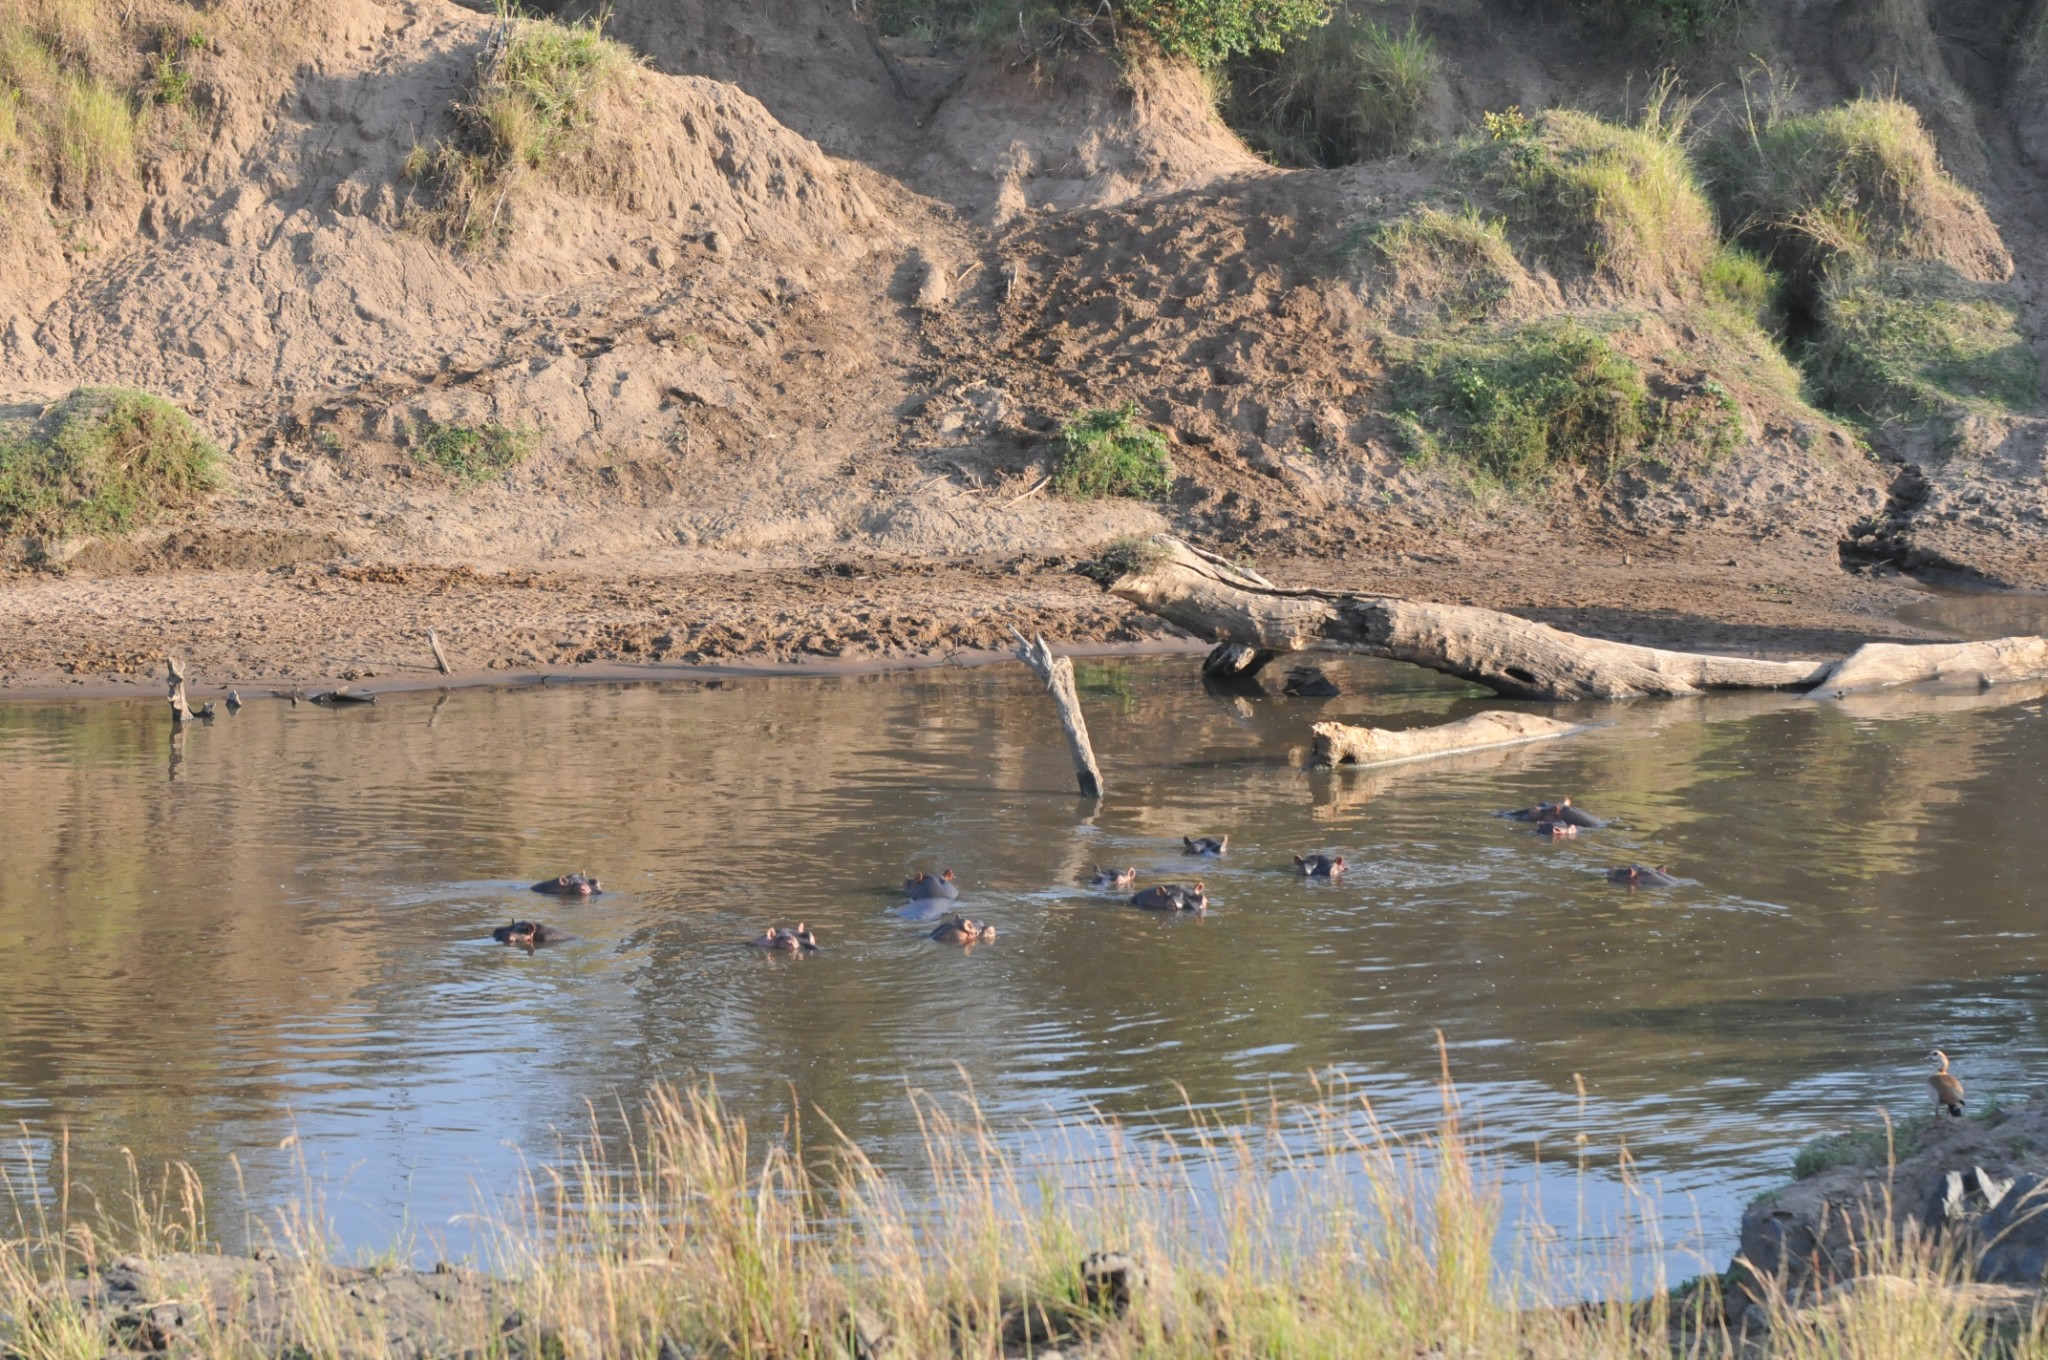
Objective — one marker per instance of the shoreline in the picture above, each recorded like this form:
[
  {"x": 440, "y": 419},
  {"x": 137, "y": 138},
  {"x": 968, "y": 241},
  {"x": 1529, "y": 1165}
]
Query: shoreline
[
  {"x": 364, "y": 625},
  {"x": 653, "y": 673}
]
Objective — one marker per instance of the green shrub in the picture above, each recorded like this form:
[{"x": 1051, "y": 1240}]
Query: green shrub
[
  {"x": 1621, "y": 201},
  {"x": 471, "y": 454},
  {"x": 1515, "y": 405},
  {"x": 104, "y": 460},
  {"x": 538, "y": 92},
  {"x": 1912, "y": 340},
  {"x": 1350, "y": 91},
  {"x": 1107, "y": 452},
  {"x": 1854, "y": 183},
  {"x": 1209, "y": 32}
]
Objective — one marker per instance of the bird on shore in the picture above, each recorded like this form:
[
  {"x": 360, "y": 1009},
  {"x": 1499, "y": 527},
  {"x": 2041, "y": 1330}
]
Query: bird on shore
[{"x": 1948, "y": 1092}]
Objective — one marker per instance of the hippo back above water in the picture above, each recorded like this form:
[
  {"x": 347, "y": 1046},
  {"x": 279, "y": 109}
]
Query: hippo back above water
[
  {"x": 570, "y": 885},
  {"x": 1640, "y": 876},
  {"x": 527, "y": 934},
  {"x": 1562, "y": 812},
  {"x": 922, "y": 887},
  {"x": 1173, "y": 897}
]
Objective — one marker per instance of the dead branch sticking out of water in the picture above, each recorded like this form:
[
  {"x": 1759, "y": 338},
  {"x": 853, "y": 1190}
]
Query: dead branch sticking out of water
[
  {"x": 1058, "y": 674},
  {"x": 1515, "y": 657}
]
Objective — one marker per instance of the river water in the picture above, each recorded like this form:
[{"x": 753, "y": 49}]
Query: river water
[{"x": 280, "y": 925}]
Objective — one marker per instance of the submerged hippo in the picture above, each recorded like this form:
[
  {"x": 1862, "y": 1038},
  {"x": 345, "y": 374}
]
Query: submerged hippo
[
  {"x": 1173, "y": 897},
  {"x": 1556, "y": 812},
  {"x": 1557, "y": 831},
  {"x": 570, "y": 885},
  {"x": 783, "y": 940},
  {"x": 1319, "y": 866},
  {"x": 961, "y": 930},
  {"x": 1637, "y": 876},
  {"x": 921, "y": 886},
  {"x": 1204, "y": 845},
  {"x": 528, "y": 934},
  {"x": 1113, "y": 878}
]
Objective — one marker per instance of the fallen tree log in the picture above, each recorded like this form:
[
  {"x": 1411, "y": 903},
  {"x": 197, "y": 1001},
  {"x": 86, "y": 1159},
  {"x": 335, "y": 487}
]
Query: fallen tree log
[
  {"x": 1511, "y": 656},
  {"x": 1340, "y": 744},
  {"x": 1880, "y": 665}
]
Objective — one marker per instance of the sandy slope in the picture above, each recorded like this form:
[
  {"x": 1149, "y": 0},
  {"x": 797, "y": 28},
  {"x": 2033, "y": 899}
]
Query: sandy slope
[{"x": 815, "y": 303}]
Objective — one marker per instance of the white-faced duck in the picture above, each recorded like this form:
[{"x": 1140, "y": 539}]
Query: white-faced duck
[
  {"x": 1948, "y": 1092},
  {"x": 961, "y": 930},
  {"x": 529, "y": 934},
  {"x": 782, "y": 940},
  {"x": 570, "y": 885},
  {"x": 921, "y": 886},
  {"x": 1319, "y": 866},
  {"x": 1556, "y": 812},
  {"x": 1173, "y": 897},
  {"x": 1204, "y": 845},
  {"x": 1639, "y": 876},
  {"x": 1113, "y": 878}
]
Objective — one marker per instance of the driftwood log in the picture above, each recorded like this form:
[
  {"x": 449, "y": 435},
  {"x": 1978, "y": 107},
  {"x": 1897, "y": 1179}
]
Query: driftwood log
[
  {"x": 1514, "y": 657},
  {"x": 1339, "y": 744},
  {"x": 1058, "y": 674},
  {"x": 1879, "y": 665}
]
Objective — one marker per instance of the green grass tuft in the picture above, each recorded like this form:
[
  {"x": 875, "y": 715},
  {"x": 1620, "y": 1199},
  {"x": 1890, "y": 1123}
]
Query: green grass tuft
[
  {"x": 1351, "y": 91},
  {"x": 1619, "y": 201},
  {"x": 539, "y": 87},
  {"x": 1858, "y": 1147},
  {"x": 1516, "y": 405},
  {"x": 1854, "y": 183},
  {"x": 102, "y": 461},
  {"x": 1460, "y": 265},
  {"x": 1107, "y": 452},
  {"x": 1915, "y": 340},
  {"x": 471, "y": 454}
]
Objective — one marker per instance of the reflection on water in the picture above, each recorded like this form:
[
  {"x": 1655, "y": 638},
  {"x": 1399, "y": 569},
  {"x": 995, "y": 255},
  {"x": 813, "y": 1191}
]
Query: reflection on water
[{"x": 288, "y": 928}]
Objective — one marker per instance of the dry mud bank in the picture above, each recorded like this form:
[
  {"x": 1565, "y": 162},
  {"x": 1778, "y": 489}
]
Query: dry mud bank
[{"x": 323, "y": 622}]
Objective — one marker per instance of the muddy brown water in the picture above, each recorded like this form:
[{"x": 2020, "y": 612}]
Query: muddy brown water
[{"x": 281, "y": 925}]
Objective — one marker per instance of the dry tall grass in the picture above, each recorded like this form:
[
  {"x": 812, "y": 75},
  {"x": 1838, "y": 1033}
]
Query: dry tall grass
[{"x": 1306, "y": 1231}]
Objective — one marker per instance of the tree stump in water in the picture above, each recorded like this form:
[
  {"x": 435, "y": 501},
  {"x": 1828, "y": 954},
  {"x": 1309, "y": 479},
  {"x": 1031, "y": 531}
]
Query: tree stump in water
[{"x": 1058, "y": 674}]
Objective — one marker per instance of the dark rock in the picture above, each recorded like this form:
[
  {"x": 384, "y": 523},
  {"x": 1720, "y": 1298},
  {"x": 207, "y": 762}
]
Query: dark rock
[
  {"x": 1110, "y": 1280},
  {"x": 1308, "y": 682},
  {"x": 2015, "y": 1233}
]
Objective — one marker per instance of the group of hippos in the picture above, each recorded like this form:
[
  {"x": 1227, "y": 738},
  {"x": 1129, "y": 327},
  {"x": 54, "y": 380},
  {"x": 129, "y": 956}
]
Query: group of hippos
[{"x": 1554, "y": 821}]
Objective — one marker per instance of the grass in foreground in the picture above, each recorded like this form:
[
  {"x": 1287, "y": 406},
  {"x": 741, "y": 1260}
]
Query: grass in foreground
[
  {"x": 1286, "y": 1231},
  {"x": 102, "y": 461}
]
